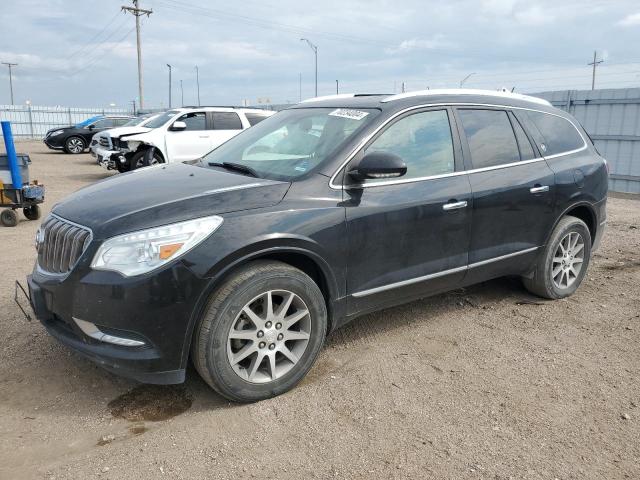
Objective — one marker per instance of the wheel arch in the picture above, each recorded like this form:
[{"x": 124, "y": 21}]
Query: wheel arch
[
  {"x": 582, "y": 210},
  {"x": 302, "y": 258}
]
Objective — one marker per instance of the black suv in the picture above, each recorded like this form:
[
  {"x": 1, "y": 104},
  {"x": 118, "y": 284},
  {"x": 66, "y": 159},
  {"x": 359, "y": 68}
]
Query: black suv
[
  {"x": 333, "y": 208},
  {"x": 76, "y": 138}
]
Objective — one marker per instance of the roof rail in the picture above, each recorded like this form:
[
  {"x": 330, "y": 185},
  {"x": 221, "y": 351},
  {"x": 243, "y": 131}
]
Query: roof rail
[
  {"x": 467, "y": 91},
  {"x": 329, "y": 97}
]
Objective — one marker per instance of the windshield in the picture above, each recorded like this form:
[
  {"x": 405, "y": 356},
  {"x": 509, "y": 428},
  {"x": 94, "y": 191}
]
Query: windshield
[
  {"x": 142, "y": 121},
  {"x": 291, "y": 143},
  {"x": 88, "y": 121},
  {"x": 161, "y": 119}
]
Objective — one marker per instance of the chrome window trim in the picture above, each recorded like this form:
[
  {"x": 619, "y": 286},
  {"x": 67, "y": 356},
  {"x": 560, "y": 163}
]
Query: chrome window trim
[
  {"x": 411, "y": 281},
  {"x": 365, "y": 140}
]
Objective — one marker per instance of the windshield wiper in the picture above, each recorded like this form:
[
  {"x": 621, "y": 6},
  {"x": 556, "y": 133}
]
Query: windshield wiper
[{"x": 237, "y": 167}]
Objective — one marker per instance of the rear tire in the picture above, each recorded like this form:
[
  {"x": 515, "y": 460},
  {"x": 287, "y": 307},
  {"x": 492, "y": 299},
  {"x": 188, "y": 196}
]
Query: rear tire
[
  {"x": 282, "y": 348},
  {"x": 9, "y": 218},
  {"x": 562, "y": 265},
  {"x": 74, "y": 145}
]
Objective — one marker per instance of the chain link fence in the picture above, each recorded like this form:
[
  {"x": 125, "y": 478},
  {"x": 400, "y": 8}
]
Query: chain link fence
[{"x": 31, "y": 121}]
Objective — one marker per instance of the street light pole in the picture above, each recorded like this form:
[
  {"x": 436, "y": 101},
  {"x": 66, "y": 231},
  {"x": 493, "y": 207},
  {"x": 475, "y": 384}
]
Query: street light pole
[
  {"x": 337, "y": 87},
  {"x": 181, "y": 95},
  {"x": 169, "y": 84},
  {"x": 466, "y": 78},
  {"x": 198, "y": 84},
  {"x": 10, "y": 65},
  {"x": 315, "y": 51}
]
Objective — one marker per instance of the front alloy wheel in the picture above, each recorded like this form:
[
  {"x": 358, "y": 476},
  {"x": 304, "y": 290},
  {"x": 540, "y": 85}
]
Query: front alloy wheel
[
  {"x": 269, "y": 336},
  {"x": 261, "y": 331}
]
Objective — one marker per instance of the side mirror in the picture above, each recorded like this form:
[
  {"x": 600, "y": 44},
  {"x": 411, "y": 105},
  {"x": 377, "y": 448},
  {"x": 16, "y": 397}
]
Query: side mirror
[
  {"x": 178, "y": 126},
  {"x": 91, "y": 127},
  {"x": 379, "y": 165}
]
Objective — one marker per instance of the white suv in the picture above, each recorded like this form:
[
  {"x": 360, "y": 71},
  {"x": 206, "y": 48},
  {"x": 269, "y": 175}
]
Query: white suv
[{"x": 179, "y": 135}]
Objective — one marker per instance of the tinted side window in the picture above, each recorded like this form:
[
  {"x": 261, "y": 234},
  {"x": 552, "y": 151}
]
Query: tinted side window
[
  {"x": 254, "y": 118},
  {"x": 194, "y": 121},
  {"x": 104, "y": 123},
  {"x": 559, "y": 133},
  {"x": 490, "y": 137},
  {"x": 422, "y": 140},
  {"x": 226, "y": 121},
  {"x": 526, "y": 150}
]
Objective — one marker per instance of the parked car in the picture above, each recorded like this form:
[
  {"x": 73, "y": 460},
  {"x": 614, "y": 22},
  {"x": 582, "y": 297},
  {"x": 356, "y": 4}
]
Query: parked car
[
  {"x": 102, "y": 140},
  {"x": 328, "y": 210},
  {"x": 76, "y": 138},
  {"x": 179, "y": 135}
]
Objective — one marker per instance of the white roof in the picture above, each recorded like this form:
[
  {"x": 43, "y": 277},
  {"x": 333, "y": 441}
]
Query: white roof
[{"x": 467, "y": 91}]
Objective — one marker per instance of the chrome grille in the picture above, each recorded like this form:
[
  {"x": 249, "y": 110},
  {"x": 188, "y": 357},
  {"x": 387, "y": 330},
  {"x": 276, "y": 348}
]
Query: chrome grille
[
  {"x": 104, "y": 141},
  {"x": 60, "y": 244}
]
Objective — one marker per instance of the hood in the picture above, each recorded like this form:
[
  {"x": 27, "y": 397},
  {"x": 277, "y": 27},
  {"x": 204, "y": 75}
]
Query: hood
[
  {"x": 164, "y": 194},
  {"x": 118, "y": 132}
]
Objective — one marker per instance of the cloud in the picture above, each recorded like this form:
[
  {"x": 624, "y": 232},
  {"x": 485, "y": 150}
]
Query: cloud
[
  {"x": 631, "y": 20},
  {"x": 534, "y": 16},
  {"x": 413, "y": 44}
]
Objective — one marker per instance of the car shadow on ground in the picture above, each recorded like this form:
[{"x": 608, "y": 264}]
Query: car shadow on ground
[{"x": 139, "y": 402}]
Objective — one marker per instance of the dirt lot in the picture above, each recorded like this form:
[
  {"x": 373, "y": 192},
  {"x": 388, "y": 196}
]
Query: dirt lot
[{"x": 487, "y": 382}]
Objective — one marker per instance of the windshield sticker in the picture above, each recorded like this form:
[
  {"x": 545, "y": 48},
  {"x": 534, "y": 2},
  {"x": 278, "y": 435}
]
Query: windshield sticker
[{"x": 351, "y": 114}]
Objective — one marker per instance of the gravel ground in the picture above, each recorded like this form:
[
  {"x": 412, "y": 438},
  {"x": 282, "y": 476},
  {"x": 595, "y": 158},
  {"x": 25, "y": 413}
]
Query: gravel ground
[{"x": 487, "y": 382}]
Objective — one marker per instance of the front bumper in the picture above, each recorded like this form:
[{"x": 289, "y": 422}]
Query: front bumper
[
  {"x": 54, "y": 143},
  {"x": 107, "y": 158},
  {"x": 158, "y": 309}
]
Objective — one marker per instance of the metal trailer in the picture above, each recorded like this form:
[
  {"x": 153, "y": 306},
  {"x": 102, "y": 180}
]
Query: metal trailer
[{"x": 17, "y": 194}]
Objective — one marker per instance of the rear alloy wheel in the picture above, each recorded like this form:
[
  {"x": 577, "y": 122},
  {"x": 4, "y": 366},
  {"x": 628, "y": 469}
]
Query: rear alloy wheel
[
  {"x": 74, "y": 145},
  {"x": 562, "y": 265},
  {"x": 261, "y": 332}
]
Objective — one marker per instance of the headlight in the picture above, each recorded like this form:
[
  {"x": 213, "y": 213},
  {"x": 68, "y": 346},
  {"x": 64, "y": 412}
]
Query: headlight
[
  {"x": 56, "y": 132},
  {"x": 140, "y": 252}
]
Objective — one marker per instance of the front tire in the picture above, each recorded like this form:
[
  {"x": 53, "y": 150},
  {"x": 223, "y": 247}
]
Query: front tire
[
  {"x": 32, "y": 212},
  {"x": 561, "y": 267},
  {"x": 261, "y": 332},
  {"x": 74, "y": 145},
  {"x": 139, "y": 160}
]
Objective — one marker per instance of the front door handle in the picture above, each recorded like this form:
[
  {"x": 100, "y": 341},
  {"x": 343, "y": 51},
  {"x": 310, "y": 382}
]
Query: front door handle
[
  {"x": 203, "y": 136},
  {"x": 539, "y": 189},
  {"x": 454, "y": 205}
]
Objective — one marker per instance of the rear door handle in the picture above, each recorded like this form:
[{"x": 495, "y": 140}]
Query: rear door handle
[
  {"x": 539, "y": 189},
  {"x": 454, "y": 205}
]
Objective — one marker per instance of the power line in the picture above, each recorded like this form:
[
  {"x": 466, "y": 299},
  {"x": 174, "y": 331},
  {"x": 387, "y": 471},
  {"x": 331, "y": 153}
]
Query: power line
[
  {"x": 88, "y": 43},
  {"x": 102, "y": 55}
]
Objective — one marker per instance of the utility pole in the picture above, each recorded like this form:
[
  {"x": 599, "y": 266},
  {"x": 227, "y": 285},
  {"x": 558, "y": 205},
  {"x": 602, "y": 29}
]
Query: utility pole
[
  {"x": 10, "y": 65},
  {"x": 181, "y": 95},
  {"x": 169, "y": 84},
  {"x": 198, "y": 84},
  {"x": 594, "y": 63},
  {"x": 133, "y": 103},
  {"x": 138, "y": 12},
  {"x": 315, "y": 51},
  {"x": 300, "y": 86},
  {"x": 403, "y": 87},
  {"x": 337, "y": 88}
]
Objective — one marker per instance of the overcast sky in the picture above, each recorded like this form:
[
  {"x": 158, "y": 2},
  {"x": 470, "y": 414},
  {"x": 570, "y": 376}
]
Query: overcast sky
[{"x": 82, "y": 53}]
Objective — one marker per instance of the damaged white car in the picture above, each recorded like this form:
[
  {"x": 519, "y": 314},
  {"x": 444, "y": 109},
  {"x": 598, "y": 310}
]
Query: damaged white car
[{"x": 179, "y": 135}]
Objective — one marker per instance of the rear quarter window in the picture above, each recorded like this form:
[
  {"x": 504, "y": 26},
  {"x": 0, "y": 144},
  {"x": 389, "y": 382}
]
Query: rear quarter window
[
  {"x": 254, "y": 118},
  {"x": 559, "y": 134}
]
